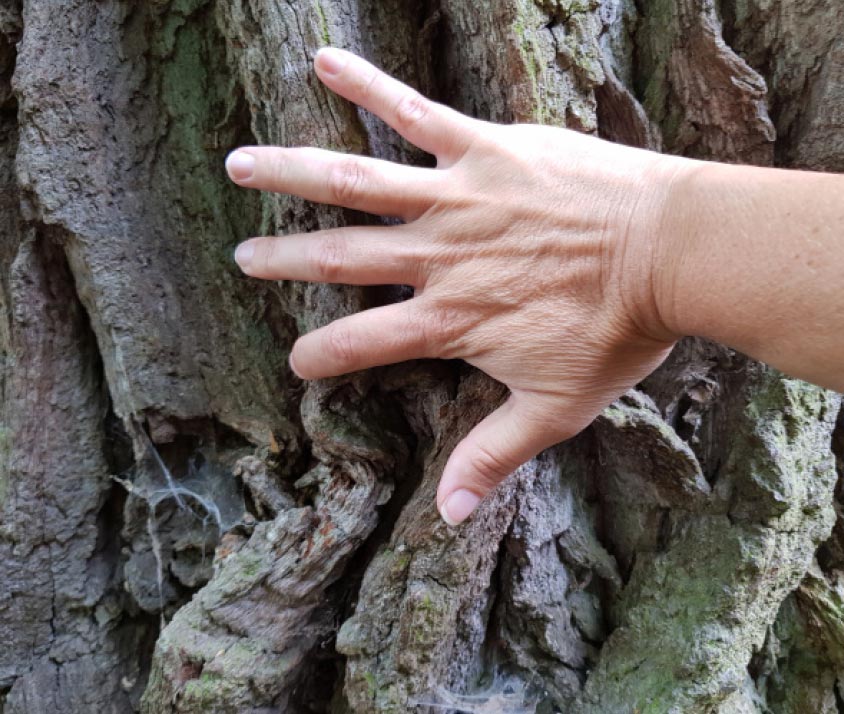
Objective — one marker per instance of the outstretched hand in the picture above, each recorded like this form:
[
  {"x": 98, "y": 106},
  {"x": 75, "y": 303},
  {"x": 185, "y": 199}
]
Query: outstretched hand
[{"x": 531, "y": 250}]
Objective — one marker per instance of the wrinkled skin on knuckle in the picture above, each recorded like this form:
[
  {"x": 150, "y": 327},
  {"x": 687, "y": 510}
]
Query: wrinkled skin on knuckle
[
  {"x": 411, "y": 110},
  {"x": 489, "y": 469},
  {"x": 432, "y": 326},
  {"x": 347, "y": 181},
  {"x": 328, "y": 258},
  {"x": 433, "y": 260},
  {"x": 447, "y": 326}
]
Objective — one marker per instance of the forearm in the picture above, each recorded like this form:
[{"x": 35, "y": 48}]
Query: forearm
[{"x": 754, "y": 258}]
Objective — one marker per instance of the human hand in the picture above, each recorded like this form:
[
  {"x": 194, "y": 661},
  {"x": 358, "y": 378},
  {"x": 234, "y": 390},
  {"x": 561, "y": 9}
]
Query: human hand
[{"x": 531, "y": 250}]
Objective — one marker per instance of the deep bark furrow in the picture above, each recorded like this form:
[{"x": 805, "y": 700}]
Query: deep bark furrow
[
  {"x": 137, "y": 91},
  {"x": 708, "y": 102},
  {"x": 67, "y": 647},
  {"x": 800, "y": 52}
]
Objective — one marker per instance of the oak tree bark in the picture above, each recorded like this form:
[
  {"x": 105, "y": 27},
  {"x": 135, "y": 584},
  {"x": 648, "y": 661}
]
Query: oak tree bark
[{"x": 187, "y": 528}]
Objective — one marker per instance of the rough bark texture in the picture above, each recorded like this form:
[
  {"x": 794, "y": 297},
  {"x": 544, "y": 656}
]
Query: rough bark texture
[{"x": 187, "y": 528}]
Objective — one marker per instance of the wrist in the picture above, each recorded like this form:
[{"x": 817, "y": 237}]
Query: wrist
[
  {"x": 678, "y": 265},
  {"x": 694, "y": 252},
  {"x": 657, "y": 245}
]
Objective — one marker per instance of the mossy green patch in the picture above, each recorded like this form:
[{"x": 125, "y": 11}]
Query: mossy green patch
[
  {"x": 531, "y": 55},
  {"x": 323, "y": 23},
  {"x": 371, "y": 684}
]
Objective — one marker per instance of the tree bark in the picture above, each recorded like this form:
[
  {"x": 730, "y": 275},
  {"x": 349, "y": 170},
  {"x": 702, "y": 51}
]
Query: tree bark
[{"x": 188, "y": 528}]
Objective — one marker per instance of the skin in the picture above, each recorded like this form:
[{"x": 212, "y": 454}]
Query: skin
[{"x": 562, "y": 265}]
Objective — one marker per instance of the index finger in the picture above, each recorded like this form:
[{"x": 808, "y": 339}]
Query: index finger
[{"x": 432, "y": 127}]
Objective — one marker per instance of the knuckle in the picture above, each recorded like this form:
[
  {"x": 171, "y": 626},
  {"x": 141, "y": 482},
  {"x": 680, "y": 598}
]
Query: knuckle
[
  {"x": 328, "y": 258},
  {"x": 433, "y": 328},
  {"x": 490, "y": 469},
  {"x": 442, "y": 328},
  {"x": 417, "y": 267},
  {"x": 411, "y": 109},
  {"x": 346, "y": 182},
  {"x": 339, "y": 345}
]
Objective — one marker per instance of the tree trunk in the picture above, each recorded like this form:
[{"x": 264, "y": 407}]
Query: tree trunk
[{"x": 187, "y": 528}]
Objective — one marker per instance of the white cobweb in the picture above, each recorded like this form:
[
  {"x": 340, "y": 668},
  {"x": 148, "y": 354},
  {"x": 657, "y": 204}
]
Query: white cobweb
[{"x": 505, "y": 694}]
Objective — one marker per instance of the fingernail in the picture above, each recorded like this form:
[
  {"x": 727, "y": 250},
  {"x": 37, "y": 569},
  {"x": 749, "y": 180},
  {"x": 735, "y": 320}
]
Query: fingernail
[
  {"x": 240, "y": 165},
  {"x": 293, "y": 366},
  {"x": 457, "y": 507},
  {"x": 243, "y": 254},
  {"x": 330, "y": 60}
]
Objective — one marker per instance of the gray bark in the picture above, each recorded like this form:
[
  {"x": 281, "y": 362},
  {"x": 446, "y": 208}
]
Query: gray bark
[{"x": 188, "y": 528}]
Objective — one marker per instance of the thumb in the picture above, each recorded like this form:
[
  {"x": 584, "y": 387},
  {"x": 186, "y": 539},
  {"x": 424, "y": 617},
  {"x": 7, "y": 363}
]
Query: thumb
[{"x": 514, "y": 433}]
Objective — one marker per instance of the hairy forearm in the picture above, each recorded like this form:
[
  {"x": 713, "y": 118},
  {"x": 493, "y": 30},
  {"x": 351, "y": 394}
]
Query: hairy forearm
[{"x": 754, "y": 258}]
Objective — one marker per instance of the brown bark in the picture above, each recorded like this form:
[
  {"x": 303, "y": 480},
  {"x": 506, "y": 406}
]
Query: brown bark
[{"x": 182, "y": 518}]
